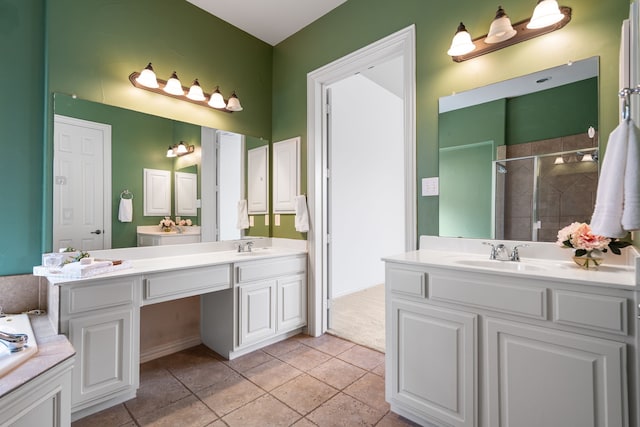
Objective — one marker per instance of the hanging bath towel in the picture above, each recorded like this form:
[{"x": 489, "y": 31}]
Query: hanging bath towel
[
  {"x": 617, "y": 209},
  {"x": 125, "y": 212},
  {"x": 243, "y": 215},
  {"x": 302, "y": 214}
]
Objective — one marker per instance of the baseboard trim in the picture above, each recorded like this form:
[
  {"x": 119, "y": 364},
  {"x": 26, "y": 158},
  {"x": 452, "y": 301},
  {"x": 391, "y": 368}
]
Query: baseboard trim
[{"x": 169, "y": 348}]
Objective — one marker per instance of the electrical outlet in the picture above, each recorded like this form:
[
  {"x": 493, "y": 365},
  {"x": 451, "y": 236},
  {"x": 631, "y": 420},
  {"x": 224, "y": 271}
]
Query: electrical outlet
[
  {"x": 266, "y": 219},
  {"x": 251, "y": 221},
  {"x": 276, "y": 220}
]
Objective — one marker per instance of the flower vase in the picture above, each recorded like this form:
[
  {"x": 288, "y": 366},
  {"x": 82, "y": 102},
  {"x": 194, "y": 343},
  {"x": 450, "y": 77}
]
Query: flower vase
[{"x": 589, "y": 261}]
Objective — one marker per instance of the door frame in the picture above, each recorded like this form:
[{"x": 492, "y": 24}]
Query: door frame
[
  {"x": 106, "y": 171},
  {"x": 401, "y": 43}
]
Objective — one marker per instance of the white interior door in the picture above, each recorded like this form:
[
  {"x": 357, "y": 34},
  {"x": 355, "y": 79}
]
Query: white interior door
[{"x": 81, "y": 184}]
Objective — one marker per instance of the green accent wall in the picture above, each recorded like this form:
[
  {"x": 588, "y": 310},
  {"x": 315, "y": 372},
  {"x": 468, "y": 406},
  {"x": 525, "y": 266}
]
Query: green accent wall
[
  {"x": 565, "y": 110},
  {"x": 21, "y": 133},
  {"x": 594, "y": 30}
]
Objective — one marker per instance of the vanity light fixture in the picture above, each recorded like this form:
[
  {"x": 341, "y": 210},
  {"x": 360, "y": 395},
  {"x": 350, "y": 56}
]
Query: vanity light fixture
[
  {"x": 179, "y": 150},
  {"x": 547, "y": 17},
  {"x": 147, "y": 80},
  {"x": 461, "y": 43}
]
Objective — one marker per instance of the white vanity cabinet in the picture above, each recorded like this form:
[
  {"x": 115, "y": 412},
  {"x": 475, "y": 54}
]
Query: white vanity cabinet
[
  {"x": 101, "y": 320},
  {"x": 475, "y": 348},
  {"x": 268, "y": 303}
]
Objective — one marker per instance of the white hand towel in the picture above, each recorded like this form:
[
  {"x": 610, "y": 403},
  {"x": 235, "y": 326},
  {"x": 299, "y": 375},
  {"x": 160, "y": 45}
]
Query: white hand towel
[
  {"x": 631, "y": 207},
  {"x": 616, "y": 193},
  {"x": 125, "y": 212},
  {"x": 243, "y": 215},
  {"x": 302, "y": 214}
]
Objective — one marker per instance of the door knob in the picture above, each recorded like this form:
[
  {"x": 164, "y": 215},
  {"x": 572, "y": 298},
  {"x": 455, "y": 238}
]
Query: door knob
[{"x": 97, "y": 232}]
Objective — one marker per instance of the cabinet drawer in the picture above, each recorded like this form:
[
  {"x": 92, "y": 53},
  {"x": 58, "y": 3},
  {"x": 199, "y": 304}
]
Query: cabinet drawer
[
  {"x": 270, "y": 268},
  {"x": 406, "y": 281},
  {"x": 522, "y": 300},
  {"x": 598, "y": 312},
  {"x": 177, "y": 284},
  {"x": 97, "y": 295}
]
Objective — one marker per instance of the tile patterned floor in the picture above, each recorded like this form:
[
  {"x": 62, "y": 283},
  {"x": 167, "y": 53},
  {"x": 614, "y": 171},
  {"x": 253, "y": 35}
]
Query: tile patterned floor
[{"x": 303, "y": 381}]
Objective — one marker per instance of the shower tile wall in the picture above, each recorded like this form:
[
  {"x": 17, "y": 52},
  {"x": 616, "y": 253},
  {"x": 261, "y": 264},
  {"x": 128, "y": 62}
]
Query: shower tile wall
[{"x": 566, "y": 192}]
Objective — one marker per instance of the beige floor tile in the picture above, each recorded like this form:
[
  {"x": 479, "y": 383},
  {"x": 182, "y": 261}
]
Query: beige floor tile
[
  {"x": 370, "y": 390},
  {"x": 265, "y": 411},
  {"x": 282, "y": 347},
  {"x": 343, "y": 410},
  {"x": 363, "y": 357},
  {"x": 248, "y": 361},
  {"x": 304, "y": 393},
  {"x": 272, "y": 374},
  {"x": 305, "y": 358},
  {"x": 379, "y": 370},
  {"x": 114, "y": 416},
  {"x": 230, "y": 394},
  {"x": 158, "y": 388},
  {"x": 394, "y": 420},
  {"x": 303, "y": 422},
  {"x": 327, "y": 343},
  {"x": 337, "y": 373},
  {"x": 186, "y": 412},
  {"x": 203, "y": 374}
]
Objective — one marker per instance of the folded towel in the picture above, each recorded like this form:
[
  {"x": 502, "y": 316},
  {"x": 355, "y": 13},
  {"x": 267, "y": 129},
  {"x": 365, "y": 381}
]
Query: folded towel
[
  {"x": 243, "y": 215},
  {"x": 125, "y": 212},
  {"x": 617, "y": 195},
  {"x": 302, "y": 214}
]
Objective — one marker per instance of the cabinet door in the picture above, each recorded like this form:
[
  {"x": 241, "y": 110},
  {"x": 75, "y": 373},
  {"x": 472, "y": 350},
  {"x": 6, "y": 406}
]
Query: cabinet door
[
  {"x": 539, "y": 377},
  {"x": 104, "y": 354},
  {"x": 286, "y": 173},
  {"x": 292, "y": 303},
  {"x": 257, "y": 311},
  {"x": 433, "y": 362}
]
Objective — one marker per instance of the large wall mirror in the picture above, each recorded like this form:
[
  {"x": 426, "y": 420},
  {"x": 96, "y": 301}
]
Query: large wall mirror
[
  {"x": 140, "y": 141},
  {"x": 518, "y": 159}
]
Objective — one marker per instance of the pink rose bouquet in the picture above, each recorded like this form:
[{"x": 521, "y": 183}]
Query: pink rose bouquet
[{"x": 578, "y": 236}]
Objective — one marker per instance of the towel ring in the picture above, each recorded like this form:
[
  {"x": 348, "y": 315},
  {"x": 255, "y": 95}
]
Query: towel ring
[{"x": 126, "y": 193}]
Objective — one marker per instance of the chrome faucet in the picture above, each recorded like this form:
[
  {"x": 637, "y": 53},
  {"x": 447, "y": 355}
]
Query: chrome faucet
[
  {"x": 246, "y": 247},
  {"x": 14, "y": 342},
  {"x": 501, "y": 253}
]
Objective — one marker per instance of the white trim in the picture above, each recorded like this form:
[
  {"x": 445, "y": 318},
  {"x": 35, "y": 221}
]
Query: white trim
[
  {"x": 106, "y": 169},
  {"x": 401, "y": 43},
  {"x": 165, "y": 349}
]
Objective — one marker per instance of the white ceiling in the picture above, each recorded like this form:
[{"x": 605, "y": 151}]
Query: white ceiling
[{"x": 271, "y": 21}]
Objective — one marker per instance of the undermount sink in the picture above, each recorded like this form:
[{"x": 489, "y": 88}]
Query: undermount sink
[{"x": 499, "y": 265}]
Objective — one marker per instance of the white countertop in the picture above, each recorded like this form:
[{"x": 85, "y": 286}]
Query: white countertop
[
  {"x": 155, "y": 259},
  {"x": 470, "y": 255}
]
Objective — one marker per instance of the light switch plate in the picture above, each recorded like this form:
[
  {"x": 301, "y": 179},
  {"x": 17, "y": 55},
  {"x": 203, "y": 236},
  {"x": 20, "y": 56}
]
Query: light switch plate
[
  {"x": 266, "y": 219},
  {"x": 276, "y": 220},
  {"x": 251, "y": 221},
  {"x": 430, "y": 186}
]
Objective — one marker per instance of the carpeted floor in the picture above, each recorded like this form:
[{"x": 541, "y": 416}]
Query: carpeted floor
[{"x": 359, "y": 317}]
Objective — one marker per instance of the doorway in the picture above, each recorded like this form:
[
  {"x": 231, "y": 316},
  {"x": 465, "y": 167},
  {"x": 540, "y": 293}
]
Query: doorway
[
  {"x": 81, "y": 184},
  {"x": 365, "y": 198},
  {"x": 399, "y": 45}
]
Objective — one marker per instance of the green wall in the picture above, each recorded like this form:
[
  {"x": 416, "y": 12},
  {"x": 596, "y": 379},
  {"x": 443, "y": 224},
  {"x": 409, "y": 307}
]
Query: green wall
[
  {"x": 593, "y": 30},
  {"x": 21, "y": 133},
  {"x": 565, "y": 110}
]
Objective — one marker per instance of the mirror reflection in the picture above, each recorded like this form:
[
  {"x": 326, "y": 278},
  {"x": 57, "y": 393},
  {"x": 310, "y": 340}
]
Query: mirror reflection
[
  {"x": 140, "y": 141},
  {"x": 519, "y": 158}
]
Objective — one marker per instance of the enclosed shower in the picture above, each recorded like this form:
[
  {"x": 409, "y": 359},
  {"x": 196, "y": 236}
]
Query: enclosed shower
[{"x": 535, "y": 196}]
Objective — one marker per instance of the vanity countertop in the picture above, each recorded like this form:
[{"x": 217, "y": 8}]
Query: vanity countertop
[
  {"x": 156, "y": 259},
  {"x": 469, "y": 255},
  {"x": 53, "y": 349}
]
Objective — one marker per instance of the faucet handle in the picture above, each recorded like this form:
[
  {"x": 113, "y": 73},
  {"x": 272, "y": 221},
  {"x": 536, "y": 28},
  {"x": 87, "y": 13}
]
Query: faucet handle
[
  {"x": 249, "y": 246},
  {"x": 492, "y": 255},
  {"x": 515, "y": 255}
]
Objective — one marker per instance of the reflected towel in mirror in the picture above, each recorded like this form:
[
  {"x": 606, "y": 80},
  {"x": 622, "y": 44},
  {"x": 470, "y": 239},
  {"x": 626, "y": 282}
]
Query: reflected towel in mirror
[
  {"x": 125, "y": 212},
  {"x": 302, "y": 214},
  {"x": 243, "y": 215},
  {"x": 617, "y": 208}
]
